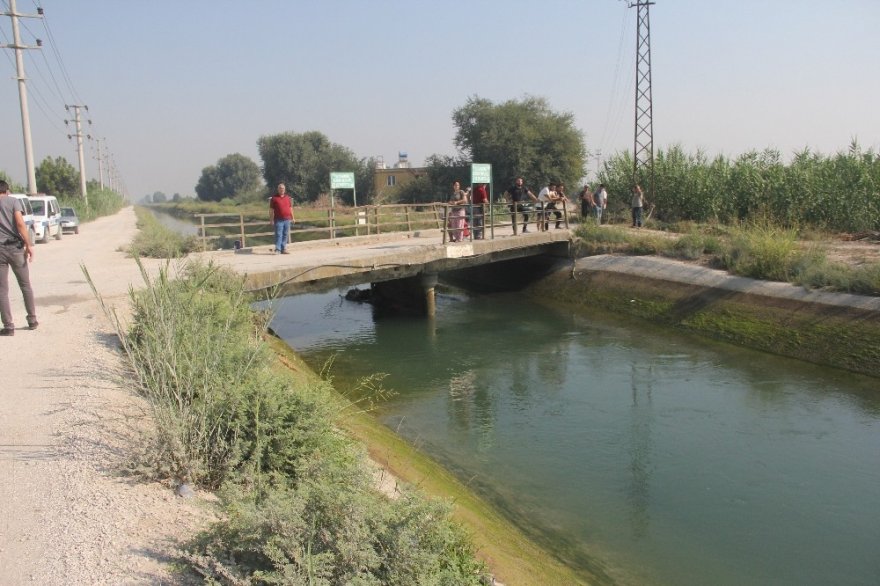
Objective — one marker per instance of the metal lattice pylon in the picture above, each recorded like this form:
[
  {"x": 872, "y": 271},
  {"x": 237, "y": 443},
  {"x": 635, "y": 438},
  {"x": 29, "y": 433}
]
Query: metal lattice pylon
[{"x": 643, "y": 140}]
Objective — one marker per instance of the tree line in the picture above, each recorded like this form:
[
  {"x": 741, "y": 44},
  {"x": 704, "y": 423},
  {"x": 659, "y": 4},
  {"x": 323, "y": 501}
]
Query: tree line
[
  {"x": 55, "y": 176},
  {"x": 518, "y": 137},
  {"x": 527, "y": 138}
]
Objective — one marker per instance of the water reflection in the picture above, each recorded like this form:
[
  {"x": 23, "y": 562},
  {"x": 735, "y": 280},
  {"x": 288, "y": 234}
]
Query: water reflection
[
  {"x": 640, "y": 449},
  {"x": 681, "y": 460}
]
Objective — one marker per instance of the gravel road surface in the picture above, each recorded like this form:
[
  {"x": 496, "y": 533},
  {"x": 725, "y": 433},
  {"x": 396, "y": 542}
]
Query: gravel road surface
[{"x": 68, "y": 424}]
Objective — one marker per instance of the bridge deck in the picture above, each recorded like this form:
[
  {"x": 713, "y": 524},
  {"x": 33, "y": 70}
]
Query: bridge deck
[{"x": 325, "y": 264}]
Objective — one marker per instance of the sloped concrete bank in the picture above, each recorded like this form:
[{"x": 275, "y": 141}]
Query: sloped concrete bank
[{"x": 834, "y": 329}]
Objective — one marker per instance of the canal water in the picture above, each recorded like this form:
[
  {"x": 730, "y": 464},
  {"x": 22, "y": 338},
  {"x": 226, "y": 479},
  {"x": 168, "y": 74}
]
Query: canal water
[
  {"x": 666, "y": 459},
  {"x": 184, "y": 227}
]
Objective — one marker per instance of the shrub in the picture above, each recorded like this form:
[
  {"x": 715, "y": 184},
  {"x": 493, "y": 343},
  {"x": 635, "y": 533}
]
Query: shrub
[
  {"x": 762, "y": 251},
  {"x": 154, "y": 240},
  {"x": 298, "y": 502}
]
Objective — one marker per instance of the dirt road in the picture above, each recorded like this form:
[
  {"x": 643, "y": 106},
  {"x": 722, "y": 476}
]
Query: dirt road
[{"x": 66, "y": 425}]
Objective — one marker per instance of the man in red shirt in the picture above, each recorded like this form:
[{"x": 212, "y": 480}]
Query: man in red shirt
[
  {"x": 281, "y": 216},
  {"x": 479, "y": 199}
]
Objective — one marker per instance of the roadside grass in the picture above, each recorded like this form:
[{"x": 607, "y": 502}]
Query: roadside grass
[
  {"x": 102, "y": 202},
  {"x": 297, "y": 498},
  {"x": 758, "y": 249},
  {"x": 153, "y": 240}
]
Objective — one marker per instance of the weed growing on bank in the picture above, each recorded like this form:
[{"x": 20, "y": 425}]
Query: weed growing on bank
[
  {"x": 298, "y": 501},
  {"x": 758, "y": 249},
  {"x": 154, "y": 240}
]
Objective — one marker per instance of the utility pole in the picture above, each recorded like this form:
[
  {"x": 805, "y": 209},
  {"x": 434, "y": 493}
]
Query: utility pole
[
  {"x": 22, "y": 90},
  {"x": 643, "y": 139},
  {"x": 100, "y": 158},
  {"x": 111, "y": 174},
  {"x": 79, "y": 148}
]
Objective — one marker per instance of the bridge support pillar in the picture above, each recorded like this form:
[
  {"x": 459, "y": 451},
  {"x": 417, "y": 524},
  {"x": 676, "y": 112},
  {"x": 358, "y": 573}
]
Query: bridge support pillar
[{"x": 429, "y": 281}]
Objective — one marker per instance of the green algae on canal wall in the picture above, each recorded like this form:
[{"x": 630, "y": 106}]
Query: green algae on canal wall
[{"x": 841, "y": 337}]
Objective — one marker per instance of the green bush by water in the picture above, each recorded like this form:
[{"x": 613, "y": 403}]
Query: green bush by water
[
  {"x": 153, "y": 240},
  {"x": 298, "y": 501}
]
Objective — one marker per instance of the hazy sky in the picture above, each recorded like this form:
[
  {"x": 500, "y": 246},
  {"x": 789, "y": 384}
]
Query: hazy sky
[{"x": 175, "y": 85}]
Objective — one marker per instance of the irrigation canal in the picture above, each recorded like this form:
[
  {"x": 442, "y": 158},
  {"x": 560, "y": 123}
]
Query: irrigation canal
[{"x": 669, "y": 459}]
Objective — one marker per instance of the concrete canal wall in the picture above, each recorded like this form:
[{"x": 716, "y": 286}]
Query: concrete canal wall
[{"x": 834, "y": 329}]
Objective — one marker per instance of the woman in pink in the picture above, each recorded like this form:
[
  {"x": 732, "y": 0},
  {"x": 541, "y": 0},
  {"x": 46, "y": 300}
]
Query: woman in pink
[{"x": 457, "y": 200}]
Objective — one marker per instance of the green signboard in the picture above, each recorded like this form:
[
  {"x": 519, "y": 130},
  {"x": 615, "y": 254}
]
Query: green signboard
[
  {"x": 481, "y": 173},
  {"x": 341, "y": 180}
]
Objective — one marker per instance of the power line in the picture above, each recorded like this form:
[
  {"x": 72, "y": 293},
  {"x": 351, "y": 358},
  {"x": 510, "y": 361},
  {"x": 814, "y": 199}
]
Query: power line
[
  {"x": 54, "y": 44},
  {"x": 616, "y": 100},
  {"x": 41, "y": 103}
]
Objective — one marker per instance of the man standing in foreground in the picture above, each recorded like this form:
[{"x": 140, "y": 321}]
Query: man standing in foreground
[
  {"x": 479, "y": 199},
  {"x": 518, "y": 194},
  {"x": 15, "y": 251},
  {"x": 282, "y": 216}
]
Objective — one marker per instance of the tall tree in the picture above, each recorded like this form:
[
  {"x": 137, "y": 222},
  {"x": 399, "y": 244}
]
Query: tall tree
[
  {"x": 521, "y": 138},
  {"x": 233, "y": 176},
  {"x": 13, "y": 186},
  {"x": 303, "y": 162},
  {"x": 57, "y": 177},
  {"x": 436, "y": 184}
]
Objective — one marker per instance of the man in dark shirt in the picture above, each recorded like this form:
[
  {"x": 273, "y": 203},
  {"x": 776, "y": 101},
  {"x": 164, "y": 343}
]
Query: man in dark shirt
[
  {"x": 15, "y": 252},
  {"x": 519, "y": 193}
]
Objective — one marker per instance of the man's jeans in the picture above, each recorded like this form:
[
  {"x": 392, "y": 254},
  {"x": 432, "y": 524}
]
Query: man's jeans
[
  {"x": 12, "y": 256},
  {"x": 282, "y": 231}
]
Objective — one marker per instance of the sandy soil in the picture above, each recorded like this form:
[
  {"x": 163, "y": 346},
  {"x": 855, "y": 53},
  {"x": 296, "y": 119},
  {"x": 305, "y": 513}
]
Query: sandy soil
[{"x": 68, "y": 424}]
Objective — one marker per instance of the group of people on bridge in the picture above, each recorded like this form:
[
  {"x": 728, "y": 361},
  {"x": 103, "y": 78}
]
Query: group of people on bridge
[
  {"x": 520, "y": 199},
  {"x": 550, "y": 200}
]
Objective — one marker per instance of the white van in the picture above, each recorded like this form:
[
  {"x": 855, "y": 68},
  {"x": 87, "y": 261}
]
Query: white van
[
  {"x": 28, "y": 215},
  {"x": 47, "y": 217}
]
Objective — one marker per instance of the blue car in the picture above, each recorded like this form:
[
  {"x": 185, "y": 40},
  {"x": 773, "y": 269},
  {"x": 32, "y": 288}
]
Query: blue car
[{"x": 69, "y": 220}]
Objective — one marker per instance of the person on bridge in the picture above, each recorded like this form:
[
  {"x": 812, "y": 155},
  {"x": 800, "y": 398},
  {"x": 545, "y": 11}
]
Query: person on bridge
[
  {"x": 544, "y": 197},
  {"x": 458, "y": 199},
  {"x": 16, "y": 252},
  {"x": 557, "y": 198},
  {"x": 518, "y": 194},
  {"x": 281, "y": 216},
  {"x": 479, "y": 199}
]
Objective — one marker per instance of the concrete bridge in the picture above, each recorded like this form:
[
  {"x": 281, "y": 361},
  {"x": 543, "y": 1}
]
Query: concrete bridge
[{"x": 412, "y": 259}]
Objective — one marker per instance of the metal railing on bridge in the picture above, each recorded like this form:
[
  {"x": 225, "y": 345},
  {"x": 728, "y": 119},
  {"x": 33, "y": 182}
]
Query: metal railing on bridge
[{"x": 227, "y": 230}]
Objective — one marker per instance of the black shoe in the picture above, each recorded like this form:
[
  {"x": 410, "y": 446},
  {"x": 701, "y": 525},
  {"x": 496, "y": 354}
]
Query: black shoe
[
  {"x": 7, "y": 332},
  {"x": 558, "y": 225},
  {"x": 524, "y": 230},
  {"x": 32, "y": 324}
]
